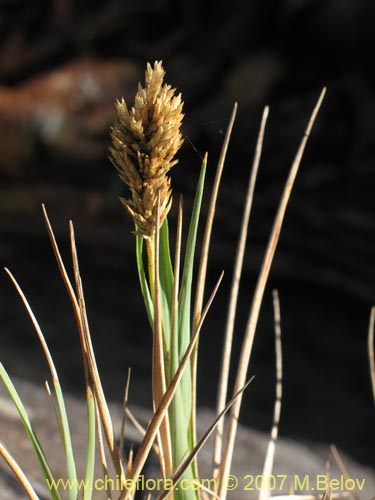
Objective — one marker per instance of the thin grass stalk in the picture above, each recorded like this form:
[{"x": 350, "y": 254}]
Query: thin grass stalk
[
  {"x": 256, "y": 303},
  {"x": 344, "y": 471},
  {"x": 232, "y": 308},
  {"x": 84, "y": 330},
  {"x": 90, "y": 445},
  {"x": 371, "y": 354},
  {"x": 63, "y": 420},
  {"x": 141, "y": 430},
  {"x": 103, "y": 459},
  {"x": 158, "y": 365},
  {"x": 54, "y": 409},
  {"x": 160, "y": 412},
  {"x": 173, "y": 347},
  {"x": 179, "y": 472},
  {"x": 265, "y": 492},
  {"x": 86, "y": 346},
  {"x": 38, "y": 450},
  {"x": 202, "y": 272},
  {"x": 18, "y": 472},
  {"x": 123, "y": 415}
]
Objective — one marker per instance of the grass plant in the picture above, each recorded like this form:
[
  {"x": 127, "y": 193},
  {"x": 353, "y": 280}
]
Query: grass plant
[{"x": 145, "y": 140}]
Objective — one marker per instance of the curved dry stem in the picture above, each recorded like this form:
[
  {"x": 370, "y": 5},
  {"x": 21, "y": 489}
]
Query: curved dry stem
[
  {"x": 265, "y": 492},
  {"x": 18, "y": 472},
  {"x": 162, "y": 409},
  {"x": 256, "y": 303},
  {"x": 86, "y": 345},
  {"x": 232, "y": 308}
]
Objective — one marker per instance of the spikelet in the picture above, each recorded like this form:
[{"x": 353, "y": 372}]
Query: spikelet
[{"x": 145, "y": 140}]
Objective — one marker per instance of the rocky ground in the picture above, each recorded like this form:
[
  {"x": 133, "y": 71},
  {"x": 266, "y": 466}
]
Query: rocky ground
[{"x": 292, "y": 459}]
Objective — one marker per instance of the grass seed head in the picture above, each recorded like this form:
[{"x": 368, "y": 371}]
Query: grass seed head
[{"x": 145, "y": 140}]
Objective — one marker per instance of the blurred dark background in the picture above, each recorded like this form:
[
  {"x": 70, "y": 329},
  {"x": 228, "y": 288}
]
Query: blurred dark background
[{"x": 63, "y": 64}]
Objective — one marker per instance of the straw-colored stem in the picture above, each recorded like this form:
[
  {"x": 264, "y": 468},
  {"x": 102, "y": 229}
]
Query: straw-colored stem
[
  {"x": 256, "y": 303},
  {"x": 162, "y": 409},
  {"x": 85, "y": 339},
  {"x": 202, "y": 272},
  {"x": 18, "y": 472},
  {"x": 123, "y": 415},
  {"x": 228, "y": 337},
  {"x": 265, "y": 492},
  {"x": 344, "y": 471},
  {"x": 176, "y": 284},
  {"x": 158, "y": 365},
  {"x": 150, "y": 245}
]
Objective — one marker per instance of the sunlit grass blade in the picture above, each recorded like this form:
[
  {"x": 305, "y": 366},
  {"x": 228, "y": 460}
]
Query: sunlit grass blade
[
  {"x": 85, "y": 339},
  {"x": 180, "y": 411},
  {"x": 344, "y": 471},
  {"x": 177, "y": 476},
  {"x": 18, "y": 472},
  {"x": 160, "y": 412},
  {"x": 159, "y": 367},
  {"x": 62, "y": 421},
  {"x": 143, "y": 280},
  {"x": 166, "y": 283},
  {"x": 123, "y": 415},
  {"x": 103, "y": 459},
  {"x": 234, "y": 291},
  {"x": 257, "y": 301},
  {"x": 173, "y": 347},
  {"x": 265, "y": 491},
  {"x": 92, "y": 377},
  {"x": 46, "y": 471},
  {"x": 90, "y": 446},
  {"x": 202, "y": 271}
]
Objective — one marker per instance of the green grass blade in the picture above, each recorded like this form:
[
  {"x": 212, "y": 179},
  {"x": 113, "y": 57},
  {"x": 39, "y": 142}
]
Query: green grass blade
[
  {"x": 67, "y": 442},
  {"x": 143, "y": 280},
  {"x": 166, "y": 289},
  {"x": 180, "y": 409},
  {"x": 166, "y": 270},
  {"x": 187, "y": 276},
  {"x": 30, "y": 432},
  {"x": 90, "y": 449}
]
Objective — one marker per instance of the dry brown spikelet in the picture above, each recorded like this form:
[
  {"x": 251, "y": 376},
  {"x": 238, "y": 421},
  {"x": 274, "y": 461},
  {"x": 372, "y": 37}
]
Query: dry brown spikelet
[{"x": 145, "y": 140}]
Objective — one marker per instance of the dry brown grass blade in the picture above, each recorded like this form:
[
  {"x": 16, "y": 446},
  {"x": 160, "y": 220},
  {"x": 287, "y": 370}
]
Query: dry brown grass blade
[
  {"x": 158, "y": 374},
  {"x": 89, "y": 358},
  {"x": 123, "y": 414},
  {"x": 130, "y": 460},
  {"x": 176, "y": 281},
  {"x": 344, "y": 471},
  {"x": 202, "y": 271},
  {"x": 371, "y": 350},
  {"x": 161, "y": 411},
  {"x": 265, "y": 492},
  {"x": 140, "y": 429},
  {"x": 36, "y": 327},
  {"x": 177, "y": 476},
  {"x": 201, "y": 279},
  {"x": 18, "y": 472},
  {"x": 84, "y": 335},
  {"x": 256, "y": 303},
  {"x": 103, "y": 459},
  {"x": 228, "y": 336}
]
